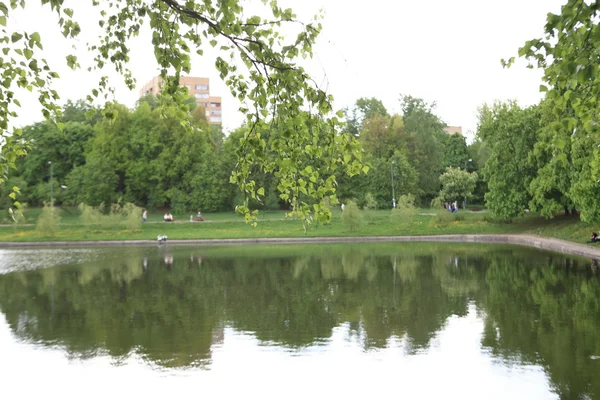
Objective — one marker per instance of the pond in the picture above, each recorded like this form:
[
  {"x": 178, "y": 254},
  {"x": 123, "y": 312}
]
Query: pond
[{"x": 401, "y": 320}]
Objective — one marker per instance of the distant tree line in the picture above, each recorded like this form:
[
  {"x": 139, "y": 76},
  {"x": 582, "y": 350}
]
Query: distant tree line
[
  {"x": 146, "y": 157},
  {"x": 525, "y": 160}
]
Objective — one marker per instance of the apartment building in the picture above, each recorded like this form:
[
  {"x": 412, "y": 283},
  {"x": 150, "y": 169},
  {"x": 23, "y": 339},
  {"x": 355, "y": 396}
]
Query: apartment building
[
  {"x": 197, "y": 87},
  {"x": 451, "y": 130}
]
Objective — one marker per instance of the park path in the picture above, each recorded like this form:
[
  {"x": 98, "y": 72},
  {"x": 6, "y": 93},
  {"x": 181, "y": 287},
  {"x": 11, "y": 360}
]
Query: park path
[{"x": 558, "y": 245}]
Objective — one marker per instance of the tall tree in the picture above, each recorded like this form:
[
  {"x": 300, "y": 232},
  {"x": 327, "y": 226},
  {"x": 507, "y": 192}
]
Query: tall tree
[
  {"x": 364, "y": 109},
  {"x": 510, "y": 132},
  {"x": 457, "y": 185},
  {"x": 568, "y": 54},
  {"x": 424, "y": 139},
  {"x": 258, "y": 64},
  {"x": 455, "y": 151},
  {"x": 552, "y": 157}
]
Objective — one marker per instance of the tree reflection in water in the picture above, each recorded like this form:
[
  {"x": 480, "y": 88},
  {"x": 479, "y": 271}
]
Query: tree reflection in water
[{"x": 171, "y": 307}]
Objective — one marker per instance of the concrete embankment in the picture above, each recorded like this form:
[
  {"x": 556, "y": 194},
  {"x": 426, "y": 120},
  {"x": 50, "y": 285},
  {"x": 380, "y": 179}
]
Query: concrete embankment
[{"x": 551, "y": 244}]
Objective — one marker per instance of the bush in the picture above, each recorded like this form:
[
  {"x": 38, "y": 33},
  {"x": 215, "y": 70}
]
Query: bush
[
  {"x": 370, "y": 202},
  {"x": 351, "y": 216},
  {"x": 459, "y": 216},
  {"x": 133, "y": 216},
  {"x": 48, "y": 221},
  {"x": 90, "y": 215},
  {"x": 128, "y": 215},
  {"x": 443, "y": 218},
  {"x": 405, "y": 211},
  {"x": 436, "y": 203}
]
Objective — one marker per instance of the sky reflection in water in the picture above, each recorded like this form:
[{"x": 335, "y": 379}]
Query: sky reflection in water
[{"x": 393, "y": 320}]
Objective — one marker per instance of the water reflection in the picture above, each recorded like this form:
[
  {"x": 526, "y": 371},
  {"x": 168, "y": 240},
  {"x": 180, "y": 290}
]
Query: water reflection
[{"x": 174, "y": 307}]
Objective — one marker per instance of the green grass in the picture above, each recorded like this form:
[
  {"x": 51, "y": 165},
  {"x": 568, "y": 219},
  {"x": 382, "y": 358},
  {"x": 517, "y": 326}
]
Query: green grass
[{"x": 275, "y": 224}]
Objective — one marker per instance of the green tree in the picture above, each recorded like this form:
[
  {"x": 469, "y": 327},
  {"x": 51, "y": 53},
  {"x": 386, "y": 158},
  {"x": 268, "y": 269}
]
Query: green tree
[
  {"x": 479, "y": 153},
  {"x": 259, "y": 65},
  {"x": 510, "y": 132},
  {"x": 424, "y": 140},
  {"x": 380, "y": 179},
  {"x": 550, "y": 189},
  {"x": 65, "y": 148},
  {"x": 364, "y": 109},
  {"x": 381, "y": 135},
  {"x": 94, "y": 183},
  {"x": 455, "y": 151},
  {"x": 457, "y": 184},
  {"x": 568, "y": 54}
]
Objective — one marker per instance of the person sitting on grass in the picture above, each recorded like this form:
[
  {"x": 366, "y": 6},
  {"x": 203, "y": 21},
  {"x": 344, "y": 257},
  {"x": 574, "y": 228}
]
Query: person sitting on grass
[
  {"x": 168, "y": 218},
  {"x": 594, "y": 237},
  {"x": 199, "y": 217}
]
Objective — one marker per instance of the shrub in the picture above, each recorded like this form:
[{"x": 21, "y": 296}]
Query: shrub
[
  {"x": 90, "y": 215},
  {"x": 133, "y": 216},
  {"x": 436, "y": 203},
  {"x": 128, "y": 215},
  {"x": 351, "y": 216},
  {"x": 48, "y": 221},
  {"x": 443, "y": 218},
  {"x": 370, "y": 202},
  {"x": 459, "y": 216},
  {"x": 405, "y": 211}
]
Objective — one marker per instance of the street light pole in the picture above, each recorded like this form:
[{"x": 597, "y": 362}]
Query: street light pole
[
  {"x": 51, "y": 186},
  {"x": 393, "y": 191},
  {"x": 465, "y": 200}
]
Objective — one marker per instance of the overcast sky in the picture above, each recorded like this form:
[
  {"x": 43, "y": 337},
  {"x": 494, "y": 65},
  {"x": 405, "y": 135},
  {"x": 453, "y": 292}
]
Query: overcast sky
[{"x": 447, "y": 51}]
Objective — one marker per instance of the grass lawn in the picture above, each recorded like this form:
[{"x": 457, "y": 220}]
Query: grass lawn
[{"x": 275, "y": 224}]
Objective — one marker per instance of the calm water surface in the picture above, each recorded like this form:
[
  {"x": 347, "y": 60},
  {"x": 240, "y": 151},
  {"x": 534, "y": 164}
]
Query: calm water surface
[{"x": 299, "y": 322}]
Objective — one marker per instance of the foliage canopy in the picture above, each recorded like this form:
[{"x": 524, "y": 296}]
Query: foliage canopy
[{"x": 257, "y": 63}]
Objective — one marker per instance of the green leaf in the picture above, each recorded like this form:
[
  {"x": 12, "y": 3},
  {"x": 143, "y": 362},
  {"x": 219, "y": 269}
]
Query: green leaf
[
  {"x": 72, "y": 61},
  {"x": 16, "y": 36}
]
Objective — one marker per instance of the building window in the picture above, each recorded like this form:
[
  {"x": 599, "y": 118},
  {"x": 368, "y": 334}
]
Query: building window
[
  {"x": 215, "y": 119},
  {"x": 215, "y": 112},
  {"x": 201, "y": 86},
  {"x": 215, "y": 105},
  {"x": 202, "y": 95}
]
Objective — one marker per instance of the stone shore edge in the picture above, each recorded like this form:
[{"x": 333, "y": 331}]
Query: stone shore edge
[{"x": 561, "y": 246}]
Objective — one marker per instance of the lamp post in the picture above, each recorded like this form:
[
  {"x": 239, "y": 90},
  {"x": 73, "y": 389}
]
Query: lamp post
[
  {"x": 465, "y": 200},
  {"x": 51, "y": 186},
  {"x": 393, "y": 191}
]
